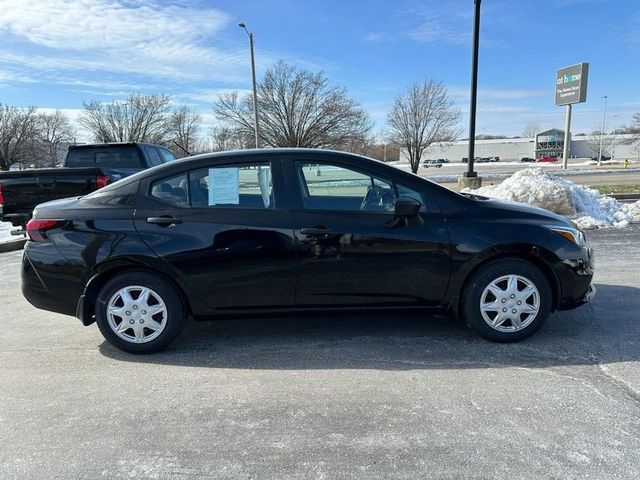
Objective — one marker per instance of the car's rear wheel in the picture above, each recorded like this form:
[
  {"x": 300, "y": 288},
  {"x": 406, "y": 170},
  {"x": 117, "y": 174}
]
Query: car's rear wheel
[
  {"x": 507, "y": 300},
  {"x": 139, "y": 312}
]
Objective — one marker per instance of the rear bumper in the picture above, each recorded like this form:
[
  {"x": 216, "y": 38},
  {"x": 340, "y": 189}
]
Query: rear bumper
[{"x": 46, "y": 290}]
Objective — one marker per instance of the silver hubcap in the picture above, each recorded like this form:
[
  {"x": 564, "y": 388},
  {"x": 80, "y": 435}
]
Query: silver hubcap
[
  {"x": 510, "y": 303},
  {"x": 136, "y": 314}
]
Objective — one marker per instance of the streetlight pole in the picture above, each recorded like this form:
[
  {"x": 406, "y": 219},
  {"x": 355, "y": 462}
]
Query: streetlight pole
[
  {"x": 613, "y": 140},
  {"x": 604, "y": 117},
  {"x": 470, "y": 177},
  {"x": 255, "y": 92}
]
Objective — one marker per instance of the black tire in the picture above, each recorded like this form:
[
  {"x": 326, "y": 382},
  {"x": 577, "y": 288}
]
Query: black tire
[
  {"x": 480, "y": 281},
  {"x": 175, "y": 311}
]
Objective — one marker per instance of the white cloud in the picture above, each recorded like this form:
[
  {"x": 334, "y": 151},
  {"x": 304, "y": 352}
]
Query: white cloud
[
  {"x": 126, "y": 37},
  {"x": 106, "y": 24},
  {"x": 210, "y": 96}
]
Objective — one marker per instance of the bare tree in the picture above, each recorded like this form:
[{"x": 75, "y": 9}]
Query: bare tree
[
  {"x": 228, "y": 138},
  {"x": 184, "y": 125},
  {"x": 634, "y": 130},
  {"x": 420, "y": 117},
  {"x": 530, "y": 130},
  {"x": 380, "y": 151},
  {"x": 54, "y": 129},
  {"x": 18, "y": 129},
  {"x": 593, "y": 142},
  {"x": 141, "y": 118},
  {"x": 298, "y": 108}
]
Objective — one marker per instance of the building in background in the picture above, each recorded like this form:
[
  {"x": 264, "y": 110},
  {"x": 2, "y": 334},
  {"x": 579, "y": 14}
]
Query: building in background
[{"x": 549, "y": 142}]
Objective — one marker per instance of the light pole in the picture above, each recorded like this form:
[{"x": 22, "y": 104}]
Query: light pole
[
  {"x": 470, "y": 178},
  {"x": 604, "y": 117},
  {"x": 613, "y": 140},
  {"x": 255, "y": 93}
]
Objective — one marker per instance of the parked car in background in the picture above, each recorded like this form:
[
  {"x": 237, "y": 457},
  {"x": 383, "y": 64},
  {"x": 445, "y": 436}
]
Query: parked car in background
[
  {"x": 547, "y": 159},
  {"x": 263, "y": 231},
  {"x": 603, "y": 158},
  {"x": 85, "y": 168},
  {"x": 494, "y": 159},
  {"x": 527, "y": 159},
  {"x": 432, "y": 163},
  {"x": 482, "y": 160}
]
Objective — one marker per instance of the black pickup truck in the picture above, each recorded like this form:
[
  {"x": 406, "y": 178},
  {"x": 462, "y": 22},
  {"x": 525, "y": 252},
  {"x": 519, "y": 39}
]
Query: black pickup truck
[{"x": 86, "y": 168}]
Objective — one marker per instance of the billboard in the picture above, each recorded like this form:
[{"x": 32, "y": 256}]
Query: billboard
[{"x": 571, "y": 84}]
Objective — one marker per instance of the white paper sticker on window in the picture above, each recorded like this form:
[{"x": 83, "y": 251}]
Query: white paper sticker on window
[{"x": 224, "y": 186}]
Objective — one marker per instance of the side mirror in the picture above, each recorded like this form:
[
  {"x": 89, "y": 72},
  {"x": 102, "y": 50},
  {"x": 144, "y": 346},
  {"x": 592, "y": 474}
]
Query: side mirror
[{"x": 407, "y": 207}]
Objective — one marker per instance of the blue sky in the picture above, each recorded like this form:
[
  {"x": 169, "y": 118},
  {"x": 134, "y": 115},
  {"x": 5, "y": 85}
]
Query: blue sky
[{"x": 57, "y": 53}]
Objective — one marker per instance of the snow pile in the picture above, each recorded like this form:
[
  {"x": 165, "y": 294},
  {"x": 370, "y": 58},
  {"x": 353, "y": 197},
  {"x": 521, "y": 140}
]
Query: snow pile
[
  {"x": 5, "y": 231},
  {"x": 587, "y": 207}
]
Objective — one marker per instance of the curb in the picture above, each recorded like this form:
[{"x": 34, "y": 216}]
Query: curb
[
  {"x": 625, "y": 196},
  {"x": 12, "y": 245}
]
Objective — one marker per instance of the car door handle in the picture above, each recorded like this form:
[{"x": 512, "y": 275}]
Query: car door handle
[
  {"x": 315, "y": 231},
  {"x": 164, "y": 220}
]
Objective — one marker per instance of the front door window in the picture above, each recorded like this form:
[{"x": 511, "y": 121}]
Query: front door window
[{"x": 333, "y": 187}]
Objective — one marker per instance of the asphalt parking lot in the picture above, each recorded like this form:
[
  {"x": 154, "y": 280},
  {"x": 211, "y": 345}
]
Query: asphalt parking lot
[{"x": 368, "y": 396}]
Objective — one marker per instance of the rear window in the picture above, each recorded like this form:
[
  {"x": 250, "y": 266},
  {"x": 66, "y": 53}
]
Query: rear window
[{"x": 125, "y": 156}]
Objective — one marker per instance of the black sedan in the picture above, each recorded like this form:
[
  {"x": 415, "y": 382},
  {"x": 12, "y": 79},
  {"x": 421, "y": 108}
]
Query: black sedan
[{"x": 293, "y": 229}]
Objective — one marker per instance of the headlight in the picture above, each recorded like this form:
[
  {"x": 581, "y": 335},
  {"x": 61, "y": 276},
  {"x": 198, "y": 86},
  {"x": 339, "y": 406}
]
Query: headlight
[{"x": 572, "y": 234}]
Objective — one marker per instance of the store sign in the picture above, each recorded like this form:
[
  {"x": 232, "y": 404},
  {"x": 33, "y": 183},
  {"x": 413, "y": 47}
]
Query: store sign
[{"x": 571, "y": 84}]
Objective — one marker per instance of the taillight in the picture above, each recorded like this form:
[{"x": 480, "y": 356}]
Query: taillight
[
  {"x": 102, "y": 180},
  {"x": 36, "y": 229},
  {"x": 1, "y": 195}
]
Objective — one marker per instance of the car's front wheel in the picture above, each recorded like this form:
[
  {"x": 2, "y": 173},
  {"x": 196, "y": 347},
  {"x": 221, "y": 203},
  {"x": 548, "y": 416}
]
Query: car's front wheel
[
  {"x": 507, "y": 300},
  {"x": 139, "y": 312}
]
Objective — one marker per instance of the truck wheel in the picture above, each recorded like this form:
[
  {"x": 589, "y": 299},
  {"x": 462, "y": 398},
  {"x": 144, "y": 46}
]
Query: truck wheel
[
  {"x": 507, "y": 300},
  {"x": 139, "y": 312}
]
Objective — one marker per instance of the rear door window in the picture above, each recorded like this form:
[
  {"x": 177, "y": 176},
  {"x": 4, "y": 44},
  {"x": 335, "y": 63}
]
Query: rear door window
[
  {"x": 228, "y": 186},
  {"x": 173, "y": 190},
  {"x": 232, "y": 186}
]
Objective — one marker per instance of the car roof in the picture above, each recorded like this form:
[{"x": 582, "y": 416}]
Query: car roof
[
  {"x": 110, "y": 144},
  {"x": 256, "y": 152}
]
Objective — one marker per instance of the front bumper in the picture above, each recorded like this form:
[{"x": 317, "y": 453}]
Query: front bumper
[
  {"x": 575, "y": 275},
  {"x": 590, "y": 294}
]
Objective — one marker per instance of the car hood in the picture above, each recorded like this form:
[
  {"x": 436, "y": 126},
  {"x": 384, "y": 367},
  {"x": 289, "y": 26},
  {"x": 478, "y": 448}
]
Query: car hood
[{"x": 522, "y": 210}]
